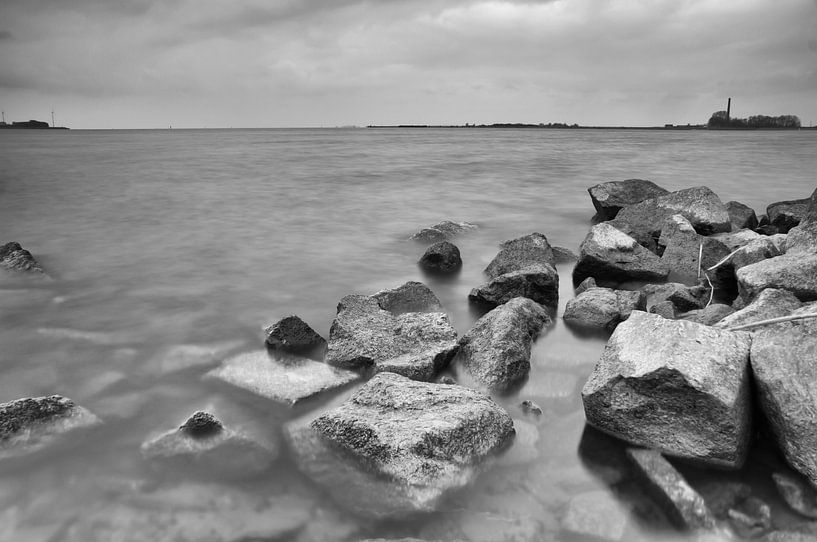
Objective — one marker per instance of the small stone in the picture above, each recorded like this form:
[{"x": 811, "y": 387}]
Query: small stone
[
  {"x": 798, "y": 495},
  {"x": 752, "y": 519},
  {"x": 529, "y": 407},
  {"x": 447, "y": 380},
  {"x": 201, "y": 424},
  {"x": 442, "y": 257},
  {"x": 664, "y": 309},
  {"x": 294, "y": 335},
  {"x": 585, "y": 285},
  {"x": 15, "y": 258}
]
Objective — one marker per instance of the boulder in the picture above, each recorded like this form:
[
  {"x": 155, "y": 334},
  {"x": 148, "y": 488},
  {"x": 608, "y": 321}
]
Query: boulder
[
  {"x": 610, "y": 255},
  {"x": 681, "y": 255},
  {"x": 420, "y": 440},
  {"x": 700, "y": 205},
  {"x": 786, "y": 376},
  {"x": 784, "y": 215},
  {"x": 771, "y": 303},
  {"x": 442, "y": 257},
  {"x": 520, "y": 253},
  {"x": 293, "y": 335},
  {"x": 204, "y": 446},
  {"x": 603, "y": 308},
  {"x": 32, "y": 423},
  {"x": 678, "y": 387},
  {"x": 793, "y": 271},
  {"x": 442, "y": 231},
  {"x": 683, "y": 505},
  {"x": 736, "y": 239},
  {"x": 496, "y": 351},
  {"x": 755, "y": 251},
  {"x": 803, "y": 238},
  {"x": 16, "y": 259},
  {"x": 288, "y": 381},
  {"x": 539, "y": 282},
  {"x": 682, "y": 297},
  {"x": 741, "y": 216},
  {"x": 595, "y": 515},
  {"x": 610, "y": 197},
  {"x": 366, "y": 336},
  {"x": 710, "y": 315},
  {"x": 664, "y": 309},
  {"x": 564, "y": 255},
  {"x": 412, "y": 296}
]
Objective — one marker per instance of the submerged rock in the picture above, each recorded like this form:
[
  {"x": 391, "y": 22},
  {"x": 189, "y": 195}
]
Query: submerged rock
[
  {"x": 597, "y": 515},
  {"x": 287, "y": 381},
  {"x": 611, "y": 255},
  {"x": 520, "y": 253},
  {"x": 603, "y": 308},
  {"x": 678, "y": 387},
  {"x": 610, "y": 197},
  {"x": 15, "y": 258},
  {"x": 800, "y": 497},
  {"x": 496, "y": 351},
  {"x": 794, "y": 272},
  {"x": 539, "y": 282},
  {"x": 421, "y": 440},
  {"x": 293, "y": 335},
  {"x": 205, "y": 446},
  {"x": 784, "y": 215},
  {"x": 29, "y": 424},
  {"x": 683, "y": 505},
  {"x": 442, "y": 231},
  {"x": 742, "y": 216},
  {"x": 771, "y": 303},
  {"x": 786, "y": 376},
  {"x": 442, "y": 257}
]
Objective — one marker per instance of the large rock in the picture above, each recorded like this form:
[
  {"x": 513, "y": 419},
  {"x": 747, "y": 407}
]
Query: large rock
[
  {"x": 539, "y": 282},
  {"x": 412, "y": 296},
  {"x": 442, "y": 257},
  {"x": 771, "y": 303},
  {"x": 793, "y": 271},
  {"x": 15, "y": 258},
  {"x": 742, "y": 216},
  {"x": 683, "y": 245},
  {"x": 442, "y": 231},
  {"x": 603, "y": 308},
  {"x": 783, "y": 364},
  {"x": 803, "y": 238},
  {"x": 755, "y": 251},
  {"x": 496, "y": 351},
  {"x": 610, "y": 197},
  {"x": 421, "y": 440},
  {"x": 367, "y": 335},
  {"x": 294, "y": 335},
  {"x": 682, "y": 504},
  {"x": 204, "y": 446},
  {"x": 520, "y": 253},
  {"x": 608, "y": 254},
  {"x": 784, "y": 215},
  {"x": 702, "y": 207},
  {"x": 675, "y": 386},
  {"x": 736, "y": 239},
  {"x": 29, "y": 424},
  {"x": 288, "y": 381}
]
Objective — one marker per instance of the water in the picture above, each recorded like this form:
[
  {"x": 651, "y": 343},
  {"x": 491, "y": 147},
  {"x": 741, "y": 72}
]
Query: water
[{"x": 157, "y": 239}]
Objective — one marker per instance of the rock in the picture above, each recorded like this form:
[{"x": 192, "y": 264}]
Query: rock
[
  {"x": 682, "y": 247},
  {"x": 204, "y": 446},
  {"x": 780, "y": 241},
  {"x": 709, "y": 316},
  {"x": 736, "y": 239},
  {"x": 529, "y": 407},
  {"x": 520, "y": 253},
  {"x": 798, "y": 494},
  {"x": 784, "y": 215},
  {"x": 741, "y": 216},
  {"x": 15, "y": 258},
  {"x": 752, "y": 519},
  {"x": 447, "y": 380},
  {"x": 664, "y": 309},
  {"x": 442, "y": 231},
  {"x": 795, "y": 272},
  {"x": 803, "y": 238},
  {"x": 771, "y": 303},
  {"x": 294, "y": 335},
  {"x": 537, "y": 282},
  {"x": 702, "y": 207},
  {"x": 496, "y": 351},
  {"x": 610, "y": 197},
  {"x": 365, "y": 336},
  {"x": 596, "y": 515},
  {"x": 585, "y": 285},
  {"x": 786, "y": 377},
  {"x": 610, "y": 255},
  {"x": 29, "y": 424},
  {"x": 564, "y": 255},
  {"x": 683, "y": 505},
  {"x": 682, "y": 297},
  {"x": 420, "y": 440},
  {"x": 410, "y": 297},
  {"x": 603, "y": 308},
  {"x": 442, "y": 257},
  {"x": 287, "y": 381},
  {"x": 721, "y": 496},
  {"x": 755, "y": 251},
  {"x": 787, "y": 536},
  {"x": 678, "y": 387}
]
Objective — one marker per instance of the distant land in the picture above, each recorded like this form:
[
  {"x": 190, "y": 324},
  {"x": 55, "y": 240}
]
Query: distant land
[
  {"x": 30, "y": 125},
  {"x": 560, "y": 126}
]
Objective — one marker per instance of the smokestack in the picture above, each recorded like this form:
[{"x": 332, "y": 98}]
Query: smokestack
[{"x": 728, "y": 109}]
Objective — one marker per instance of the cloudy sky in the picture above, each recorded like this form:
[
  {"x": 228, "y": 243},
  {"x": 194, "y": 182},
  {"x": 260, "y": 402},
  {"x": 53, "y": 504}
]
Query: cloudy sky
[{"x": 276, "y": 63}]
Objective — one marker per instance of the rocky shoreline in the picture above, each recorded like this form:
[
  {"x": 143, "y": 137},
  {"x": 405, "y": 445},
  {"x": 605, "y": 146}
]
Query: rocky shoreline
[{"x": 711, "y": 349}]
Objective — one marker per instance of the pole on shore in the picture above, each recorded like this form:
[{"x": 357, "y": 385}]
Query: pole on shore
[{"x": 728, "y": 109}]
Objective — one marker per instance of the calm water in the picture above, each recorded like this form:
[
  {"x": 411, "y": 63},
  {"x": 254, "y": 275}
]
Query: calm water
[{"x": 164, "y": 238}]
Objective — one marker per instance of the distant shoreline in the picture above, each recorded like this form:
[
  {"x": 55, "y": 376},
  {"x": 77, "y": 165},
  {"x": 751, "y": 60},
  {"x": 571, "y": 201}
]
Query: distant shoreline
[{"x": 577, "y": 127}]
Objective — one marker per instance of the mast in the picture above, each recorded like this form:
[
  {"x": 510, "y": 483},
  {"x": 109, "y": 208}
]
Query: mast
[
  {"x": 52, "y": 117},
  {"x": 728, "y": 108}
]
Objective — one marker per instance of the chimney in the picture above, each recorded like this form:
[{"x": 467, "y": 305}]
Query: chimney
[{"x": 728, "y": 108}]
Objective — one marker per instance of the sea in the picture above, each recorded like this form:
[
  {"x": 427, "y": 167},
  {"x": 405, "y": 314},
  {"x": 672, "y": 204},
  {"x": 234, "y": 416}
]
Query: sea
[{"x": 170, "y": 250}]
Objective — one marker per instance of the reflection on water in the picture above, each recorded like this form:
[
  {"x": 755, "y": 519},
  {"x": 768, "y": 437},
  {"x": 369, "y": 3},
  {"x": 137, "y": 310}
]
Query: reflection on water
[{"x": 171, "y": 250}]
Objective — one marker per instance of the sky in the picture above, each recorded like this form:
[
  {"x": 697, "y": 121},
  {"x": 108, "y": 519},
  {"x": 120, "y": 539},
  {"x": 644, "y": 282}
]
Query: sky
[{"x": 291, "y": 63}]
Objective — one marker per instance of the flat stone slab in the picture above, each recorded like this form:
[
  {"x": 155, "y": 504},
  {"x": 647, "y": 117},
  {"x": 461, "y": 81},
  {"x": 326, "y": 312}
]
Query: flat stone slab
[
  {"x": 287, "y": 381},
  {"x": 679, "y": 387},
  {"x": 29, "y": 424}
]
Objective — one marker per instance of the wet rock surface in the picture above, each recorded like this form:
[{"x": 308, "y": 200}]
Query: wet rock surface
[
  {"x": 610, "y": 197},
  {"x": 537, "y": 282},
  {"x": 287, "y": 380},
  {"x": 609, "y": 254},
  {"x": 496, "y": 351},
  {"x": 678, "y": 387},
  {"x": 519, "y": 253},
  {"x": 603, "y": 308},
  {"x": 442, "y": 257},
  {"x": 16, "y": 259},
  {"x": 293, "y": 335},
  {"x": 442, "y": 231}
]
